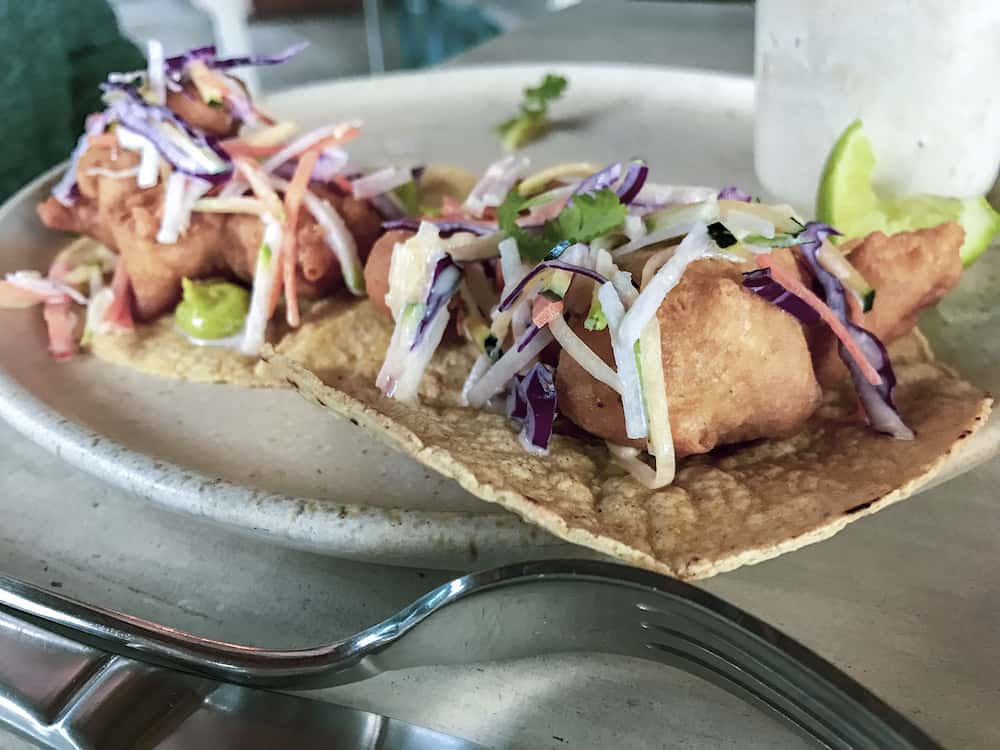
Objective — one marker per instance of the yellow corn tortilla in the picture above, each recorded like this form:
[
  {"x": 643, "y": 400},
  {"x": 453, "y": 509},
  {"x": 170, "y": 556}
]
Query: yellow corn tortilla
[{"x": 736, "y": 506}]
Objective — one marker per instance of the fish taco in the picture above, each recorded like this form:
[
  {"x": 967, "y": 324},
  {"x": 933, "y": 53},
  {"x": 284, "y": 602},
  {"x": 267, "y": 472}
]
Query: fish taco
[{"x": 685, "y": 378}]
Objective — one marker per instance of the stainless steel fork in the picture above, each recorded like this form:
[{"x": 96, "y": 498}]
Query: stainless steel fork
[{"x": 518, "y": 611}]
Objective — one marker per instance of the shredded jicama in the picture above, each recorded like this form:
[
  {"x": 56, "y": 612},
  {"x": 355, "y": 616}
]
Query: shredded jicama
[
  {"x": 636, "y": 424},
  {"x": 630, "y": 459},
  {"x": 381, "y": 181},
  {"x": 495, "y": 183},
  {"x": 156, "y": 76},
  {"x": 693, "y": 247},
  {"x": 495, "y": 379},
  {"x": 574, "y": 346},
  {"x": 655, "y": 400},
  {"x": 32, "y": 281},
  {"x": 340, "y": 240},
  {"x": 264, "y": 278},
  {"x": 539, "y": 180},
  {"x": 240, "y": 205}
]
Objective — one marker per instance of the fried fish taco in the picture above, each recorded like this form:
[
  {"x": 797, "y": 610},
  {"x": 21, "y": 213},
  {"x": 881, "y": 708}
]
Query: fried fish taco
[
  {"x": 207, "y": 225},
  {"x": 685, "y": 379}
]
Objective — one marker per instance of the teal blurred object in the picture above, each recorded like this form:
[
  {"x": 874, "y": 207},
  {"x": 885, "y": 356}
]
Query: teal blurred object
[
  {"x": 53, "y": 55},
  {"x": 431, "y": 31}
]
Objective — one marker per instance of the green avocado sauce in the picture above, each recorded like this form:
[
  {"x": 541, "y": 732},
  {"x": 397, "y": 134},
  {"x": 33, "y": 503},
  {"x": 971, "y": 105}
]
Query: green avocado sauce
[{"x": 212, "y": 309}]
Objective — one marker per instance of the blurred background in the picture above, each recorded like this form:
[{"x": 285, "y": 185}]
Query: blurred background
[{"x": 347, "y": 37}]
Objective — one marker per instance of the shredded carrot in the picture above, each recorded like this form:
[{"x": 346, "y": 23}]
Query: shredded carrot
[
  {"x": 289, "y": 212},
  {"x": 239, "y": 147},
  {"x": 261, "y": 185},
  {"x": 294, "y": 198},
  {"x": 545, "y": 310},
  {"x": 796, "y": 287},
  {"x": 102, "y": 140}
]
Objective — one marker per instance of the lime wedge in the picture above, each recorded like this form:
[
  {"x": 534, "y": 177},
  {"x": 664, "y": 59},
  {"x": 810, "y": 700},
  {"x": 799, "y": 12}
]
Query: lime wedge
[{"x": 847, "y": 201}]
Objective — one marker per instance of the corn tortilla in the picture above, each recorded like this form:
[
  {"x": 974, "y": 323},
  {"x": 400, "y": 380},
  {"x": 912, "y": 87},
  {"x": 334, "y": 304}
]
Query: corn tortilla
[{"x": 737, "y": 506}]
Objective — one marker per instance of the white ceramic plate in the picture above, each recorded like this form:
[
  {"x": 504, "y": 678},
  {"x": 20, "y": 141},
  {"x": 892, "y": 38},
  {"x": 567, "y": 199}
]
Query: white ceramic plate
[{"x": 271, "y": 464}]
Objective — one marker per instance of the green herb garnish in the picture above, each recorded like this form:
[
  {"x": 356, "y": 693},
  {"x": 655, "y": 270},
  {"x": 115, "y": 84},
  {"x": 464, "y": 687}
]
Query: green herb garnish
[
  {"x": 532, "y": 121},
  {"x": 590, "y": 216}
]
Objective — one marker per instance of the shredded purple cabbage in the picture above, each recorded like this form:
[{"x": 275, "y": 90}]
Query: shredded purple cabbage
[
  {"x": 445, "y": 228},
  {"x": 444, "y": 283},
  {"x": 66, "y": 190},
  {"x": 557, "y": 265},
  {"x": 632, "y": 183},
  {"x": 532, "y": 402},
  {"x": 176, "y": 64},
  {"x": 600, "y": 180},
  {"x": 733, "y": 193},
  {"x": 877, "y": 399},
  {"x": 528, "y": 337},
  {"x": 761, "y": 283},
  {"x": 146, "y": 119}
]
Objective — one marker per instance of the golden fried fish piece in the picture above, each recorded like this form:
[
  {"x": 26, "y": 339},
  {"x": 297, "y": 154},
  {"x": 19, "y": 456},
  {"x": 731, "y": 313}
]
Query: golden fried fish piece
[
  {"x": 736, "y": 367},
  {"x": 908, "y": 271}
]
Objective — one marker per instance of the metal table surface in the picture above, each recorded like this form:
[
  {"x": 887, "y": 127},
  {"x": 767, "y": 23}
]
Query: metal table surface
[{"x": 907, "y": 602}]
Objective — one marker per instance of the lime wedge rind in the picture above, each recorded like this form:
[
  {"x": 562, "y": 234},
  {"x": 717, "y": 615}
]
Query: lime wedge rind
[{"x": 847, "y": 201}]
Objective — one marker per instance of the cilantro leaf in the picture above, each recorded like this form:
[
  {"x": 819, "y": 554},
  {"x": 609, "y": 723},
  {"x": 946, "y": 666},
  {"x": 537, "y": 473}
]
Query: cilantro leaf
[
  {"x": 589, "y": 217},
  {"x": 530, "y": 246},
  {"x": 532, "y": 120}
]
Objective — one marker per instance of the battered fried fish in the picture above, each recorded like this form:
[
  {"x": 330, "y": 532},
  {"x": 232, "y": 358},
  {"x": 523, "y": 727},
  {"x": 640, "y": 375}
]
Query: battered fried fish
[
  {"x": 909, "y": 271},
  {"x": 126, "y": 218}
]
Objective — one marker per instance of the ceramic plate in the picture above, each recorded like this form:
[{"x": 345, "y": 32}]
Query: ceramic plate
[{"x": 269, "y": 463}]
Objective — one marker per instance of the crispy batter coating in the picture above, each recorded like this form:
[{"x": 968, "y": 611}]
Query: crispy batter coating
[
  {"x": 116, "y": 212},
  {"x": 736, "y": 367},
  {"x": 122, "y": 216},
  {"x": 909, "y": 271}
]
